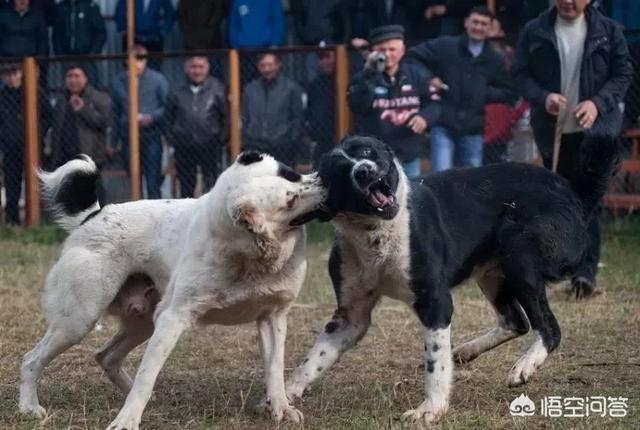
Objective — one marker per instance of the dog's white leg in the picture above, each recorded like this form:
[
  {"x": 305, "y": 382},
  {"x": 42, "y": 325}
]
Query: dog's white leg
[
  {"x": 348, "y": 325},
  {"x": 170, "y": 324},
  {"x": 273, "y": 332},
  {"x": 111, "y": 356},
  {"x": 529, "y": 362},
  {"x": 438, "y": 365},
  {"x": 60, "y": 336}
]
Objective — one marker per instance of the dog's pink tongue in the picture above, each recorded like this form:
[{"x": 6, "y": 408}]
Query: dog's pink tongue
[{"x": 381, "y": 199}]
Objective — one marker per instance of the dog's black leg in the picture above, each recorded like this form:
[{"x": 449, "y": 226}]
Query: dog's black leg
[
  {"x": 434, "y": 308},
  {"x": 529, "y": 288},
  {"x": 511, "y": 319}
]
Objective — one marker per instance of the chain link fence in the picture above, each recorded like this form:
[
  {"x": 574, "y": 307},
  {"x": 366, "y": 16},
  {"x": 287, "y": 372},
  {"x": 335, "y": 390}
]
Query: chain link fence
[{"x": 287, "y": 108}]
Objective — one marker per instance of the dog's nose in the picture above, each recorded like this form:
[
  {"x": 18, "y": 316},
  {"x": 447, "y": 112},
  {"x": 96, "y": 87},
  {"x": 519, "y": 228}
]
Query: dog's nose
[{"x": 364, "y": 173}]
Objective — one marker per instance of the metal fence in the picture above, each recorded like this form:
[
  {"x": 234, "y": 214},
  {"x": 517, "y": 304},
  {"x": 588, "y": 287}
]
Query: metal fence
[{"x": 189, "y": 133}]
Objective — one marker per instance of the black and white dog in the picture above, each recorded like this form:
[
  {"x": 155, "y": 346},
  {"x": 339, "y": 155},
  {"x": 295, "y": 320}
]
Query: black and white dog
[{"x": 513, "y": 227}]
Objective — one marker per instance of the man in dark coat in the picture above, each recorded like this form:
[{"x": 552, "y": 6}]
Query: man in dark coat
[
  {"x": 23, "y": 31},
  {"x": 469, "y": 75},
  {"x": 199, "y": 22},
  {"x": 79, "y": 28},
  {"x": 81, "y": 117},
  {"x": 390, "y": 99},
  {"x": 573, "y": 66},
  {"x": 198, "y": 125},
  {"x": 273, "y": 113}
]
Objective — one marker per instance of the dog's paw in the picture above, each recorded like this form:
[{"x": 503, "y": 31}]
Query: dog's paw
[
  {"x": 281, "y": 410},
  {"x": 125, "y": 421},
  {"x": 521, "y": 372},
  {"x": 464, "y": 354},
  {"x": 424, "y": 414},
  {"x": 295, "y": 391},
  {"x": 36, "y": 411}
]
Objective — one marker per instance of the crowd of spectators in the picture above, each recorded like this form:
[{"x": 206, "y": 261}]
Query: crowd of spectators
[{"x": 437, "y": 74}]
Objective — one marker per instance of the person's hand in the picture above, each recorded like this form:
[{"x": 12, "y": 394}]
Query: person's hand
[
  {"x": 586, "y": 112},
  {"x": 76, "y": 102},
  {"x": 145, "y": 120},
  {"x": 435, "y": 11},
  {"x": 436, "y": 85},
  {"x": 417, "y": 124},
  {"x": 554, "y": 102},
  {"x": 111, "y": 151}
]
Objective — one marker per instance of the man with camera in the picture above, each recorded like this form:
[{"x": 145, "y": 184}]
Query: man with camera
[{"x": 390, "y": 99}]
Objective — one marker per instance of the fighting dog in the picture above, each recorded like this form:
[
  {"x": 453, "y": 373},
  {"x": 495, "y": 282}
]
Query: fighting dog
[
  {"x": 513, "y": 227},
  {"x": 235, "y": 255}
]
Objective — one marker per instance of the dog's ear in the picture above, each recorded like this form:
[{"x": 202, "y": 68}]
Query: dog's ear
[{"x": 247, "y": 215}]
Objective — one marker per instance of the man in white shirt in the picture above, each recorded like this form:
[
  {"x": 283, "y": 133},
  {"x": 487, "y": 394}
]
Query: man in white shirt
[{"x": 572, "y": 64}]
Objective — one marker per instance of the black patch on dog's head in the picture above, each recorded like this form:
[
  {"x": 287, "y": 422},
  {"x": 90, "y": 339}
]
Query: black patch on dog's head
[
  {"x": 379, "y": 174},
  {"x": 250, "y": 157},
  {"x": 288, "y": 173},
  {"x": 78, "y": 191}
]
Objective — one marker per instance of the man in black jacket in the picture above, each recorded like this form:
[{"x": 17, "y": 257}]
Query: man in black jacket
[
  {"x": 79, "y": 28},
  {"x": 273, "y": 112},
  {"x": 198, "y": 123},
  {"x": 23, "y": 31},
  {"x": 390, "y": 99},
  {"x": 573, "y": 66},
  {"x": 469, "y": 75}
]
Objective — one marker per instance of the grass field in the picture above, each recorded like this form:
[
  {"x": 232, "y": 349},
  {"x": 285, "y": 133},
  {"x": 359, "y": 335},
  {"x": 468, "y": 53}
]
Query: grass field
[{"x": 214, "y": 377}]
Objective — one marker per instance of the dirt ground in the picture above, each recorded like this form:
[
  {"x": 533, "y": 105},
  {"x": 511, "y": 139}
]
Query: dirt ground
[{"x": 213, "y": 380}]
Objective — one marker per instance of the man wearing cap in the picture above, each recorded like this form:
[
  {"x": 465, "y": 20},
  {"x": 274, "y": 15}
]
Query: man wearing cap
[
  {"x": 469, "y": 75},
  {"x": 390, "y": 99}
]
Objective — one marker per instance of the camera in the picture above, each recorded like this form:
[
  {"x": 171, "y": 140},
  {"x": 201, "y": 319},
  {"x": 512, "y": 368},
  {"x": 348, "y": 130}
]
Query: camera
[{"x": 378, "y": 60}]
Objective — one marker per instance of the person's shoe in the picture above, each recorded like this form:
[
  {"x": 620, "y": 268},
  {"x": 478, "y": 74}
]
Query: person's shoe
[{"x": 583, "y": 288}]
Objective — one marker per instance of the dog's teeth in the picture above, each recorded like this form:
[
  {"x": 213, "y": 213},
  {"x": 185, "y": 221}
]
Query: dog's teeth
[{"x": 379, "y": 209}]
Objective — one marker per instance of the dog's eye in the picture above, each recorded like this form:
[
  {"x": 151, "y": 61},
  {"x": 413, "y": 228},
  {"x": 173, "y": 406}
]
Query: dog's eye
[{"x": 366, "y": 152}]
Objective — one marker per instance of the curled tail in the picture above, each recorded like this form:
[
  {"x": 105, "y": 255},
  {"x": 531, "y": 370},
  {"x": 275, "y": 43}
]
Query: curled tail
[
  {"x": 599, "y": 160},
  {"x": 70, "y": 191}
]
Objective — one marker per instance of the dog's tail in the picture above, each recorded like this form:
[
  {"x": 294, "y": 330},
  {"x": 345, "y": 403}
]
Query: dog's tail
[
  {"x": 70, "y": 191},
  {"x": 599, "y": 160}
]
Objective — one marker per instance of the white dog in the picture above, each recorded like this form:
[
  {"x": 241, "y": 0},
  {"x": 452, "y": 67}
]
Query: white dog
[{"x": 235, "y": 255}]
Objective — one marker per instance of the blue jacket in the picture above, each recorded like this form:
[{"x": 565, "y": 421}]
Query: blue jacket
[
  {"x": 256, "y": 23},
  {"x": 153, "y": 90},
  {"x": 157, "y": 20}
]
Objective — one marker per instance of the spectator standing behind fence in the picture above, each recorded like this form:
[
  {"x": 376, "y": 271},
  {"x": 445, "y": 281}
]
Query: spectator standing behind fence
[
  {"x": 256, "y": 23},
  {"x": 469, "y": 75},
  {"x": 199, "y": 22},
  {"x": 272, "y": 112},
  {"x": 390, "y": 98},
  {"x": 46, "y": 8},
  {"x": 198, "y": 125},
  {"x": 12, "y": 135},
  {"x": 81, "y": 117},
  {"x": 153, "y": 19},
  {"x": 445, "y": 17},
  {"x": 153, "y": 90},
  {"x": 23, "y": 31},
  {"x": 573, "y": 61},
  {"x": 12, "y": 138},
  {"x": 320, "y": 113},
  {"x": 79, "y": 29}
]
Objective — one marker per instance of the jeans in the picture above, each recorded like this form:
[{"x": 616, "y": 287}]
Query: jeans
[
  {"x": 187, "y": 162},
  {"x": 411, "y": 168},
  {"x": 467, "y": 150}
]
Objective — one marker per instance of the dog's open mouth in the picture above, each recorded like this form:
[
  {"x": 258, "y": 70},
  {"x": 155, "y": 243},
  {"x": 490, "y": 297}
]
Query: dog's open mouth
[
  {"x": 321, "y": 213},
  {"x": 380, "y": 195}
]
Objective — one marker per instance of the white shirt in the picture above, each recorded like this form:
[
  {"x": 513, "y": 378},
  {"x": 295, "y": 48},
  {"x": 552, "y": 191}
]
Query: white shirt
[{"x": 570, "y": 36}]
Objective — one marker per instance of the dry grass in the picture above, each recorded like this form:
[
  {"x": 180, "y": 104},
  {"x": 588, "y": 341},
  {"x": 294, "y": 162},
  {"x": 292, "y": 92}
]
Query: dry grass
[{"x": 214, "y": 377}]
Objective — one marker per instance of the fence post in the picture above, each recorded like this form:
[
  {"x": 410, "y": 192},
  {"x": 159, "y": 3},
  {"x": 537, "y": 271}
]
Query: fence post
[
  {"x": 341, "y": 84},
  {"x": 235, "y": 141},
  {"x": 31, "y": 141},
  {"x": 134, "y": 136}
]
